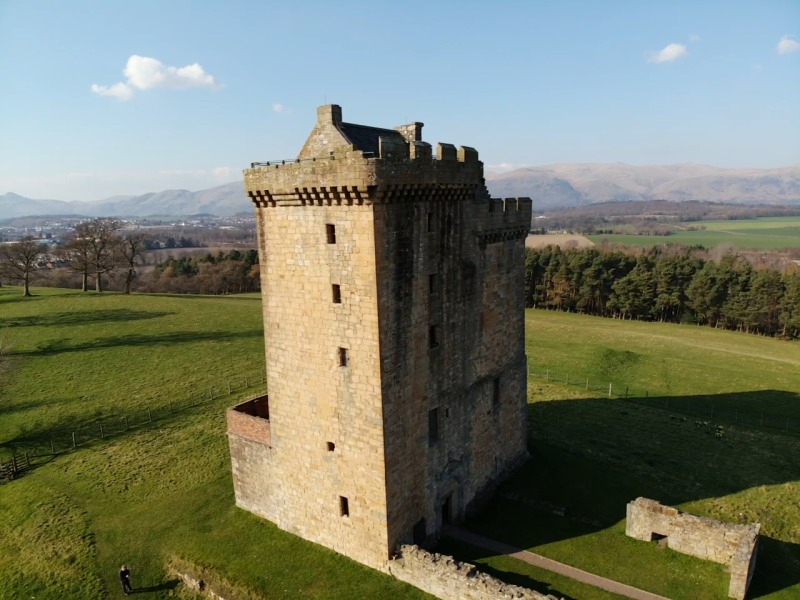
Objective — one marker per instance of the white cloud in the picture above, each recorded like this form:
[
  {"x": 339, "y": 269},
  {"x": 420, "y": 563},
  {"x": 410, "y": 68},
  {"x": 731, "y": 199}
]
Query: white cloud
[
  {"x": 145, "y": 73},
  {"x": 120, "y": 91},
  {"x": 670, "y": 53},
  {"x": 278, "y": 107},
  {"x": 788, "y": 45}
]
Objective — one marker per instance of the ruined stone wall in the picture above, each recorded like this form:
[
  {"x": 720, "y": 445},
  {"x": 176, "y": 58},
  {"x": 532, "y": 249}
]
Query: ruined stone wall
[
  {"x": 727, "y": 543},
  {"x": 449, "y": 579}
]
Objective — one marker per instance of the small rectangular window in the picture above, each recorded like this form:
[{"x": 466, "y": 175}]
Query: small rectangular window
[
  {"x": 433, "y": 426},
  {"x": 330, "y": 233},
  {"x": 344, "y": 507},
  {"x": 337, "y": 293},
  {"x": 433, "y": 283},
  {"x": 331, "y": 446},
  {"x": 343, "y": 358},
  {"x": 431, "y": 222},
  {"x": 433, "y": 340}
]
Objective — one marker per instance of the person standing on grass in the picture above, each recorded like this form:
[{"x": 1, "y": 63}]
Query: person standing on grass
[{"x": 125, "y": 579}]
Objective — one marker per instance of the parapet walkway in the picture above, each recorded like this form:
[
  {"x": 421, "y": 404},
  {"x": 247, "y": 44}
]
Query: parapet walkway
[{"x": 550, "y": 565}]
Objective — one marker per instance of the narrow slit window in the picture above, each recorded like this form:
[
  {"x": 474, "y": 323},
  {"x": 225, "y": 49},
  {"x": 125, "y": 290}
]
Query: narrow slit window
[
  {"x": 343, "y": 358},
  {"x": 433, "y": 283},
  {"x": 344, "y": 507},
  {"x": 336, "y": 292},
  {"x": 433, "y": 339},
  {"x": 433, "y": 426},
  {"x": 330, "y": 233},
  {"x": 331, "y": 446}
]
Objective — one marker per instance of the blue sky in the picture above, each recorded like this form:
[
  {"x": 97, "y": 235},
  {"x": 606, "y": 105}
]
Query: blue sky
[{"x": 104, "y": 98}]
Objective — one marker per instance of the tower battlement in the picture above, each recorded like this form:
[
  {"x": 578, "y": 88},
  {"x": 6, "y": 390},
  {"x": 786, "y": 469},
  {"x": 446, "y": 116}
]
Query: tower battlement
[{"x": 393, "y": 299}]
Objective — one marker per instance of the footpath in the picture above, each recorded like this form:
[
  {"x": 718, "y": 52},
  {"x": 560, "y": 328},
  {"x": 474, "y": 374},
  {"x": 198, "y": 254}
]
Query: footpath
[{"x": 550, "y": 565}]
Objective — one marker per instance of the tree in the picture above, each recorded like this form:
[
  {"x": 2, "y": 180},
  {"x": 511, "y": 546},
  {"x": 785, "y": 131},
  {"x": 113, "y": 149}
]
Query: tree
[
  {"x": 19, "y": 259},
  {"x": 99, "y": 238},
  {"x": 131, "y": 248},
  {"x": 77, "y": 252}
]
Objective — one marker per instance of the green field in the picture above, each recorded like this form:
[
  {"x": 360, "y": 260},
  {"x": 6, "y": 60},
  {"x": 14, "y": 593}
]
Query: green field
[
  {"x": 768, "y": 233},
  {"x": 161, "y": 491}
]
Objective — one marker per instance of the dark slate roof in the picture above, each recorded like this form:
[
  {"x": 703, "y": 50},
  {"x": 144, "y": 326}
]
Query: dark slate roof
[{"x": 365, "y": 138}]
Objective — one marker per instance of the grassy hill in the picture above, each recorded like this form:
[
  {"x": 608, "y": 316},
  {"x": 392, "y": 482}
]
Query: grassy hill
[{"x": 153, "y": 491}]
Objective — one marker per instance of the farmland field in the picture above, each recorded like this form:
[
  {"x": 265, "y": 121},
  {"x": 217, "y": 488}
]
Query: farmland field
[
  {"x": 160, "y": 491},
  {"x": 768, "y": 233}
]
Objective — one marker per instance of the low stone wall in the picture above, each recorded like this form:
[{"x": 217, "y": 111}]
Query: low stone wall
[
  {"x": 735, "y": 546},
  {"x": 449, "y": 579}
]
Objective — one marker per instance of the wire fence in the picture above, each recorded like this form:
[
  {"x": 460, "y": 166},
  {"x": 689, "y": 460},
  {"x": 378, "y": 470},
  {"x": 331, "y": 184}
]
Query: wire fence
[
  {"x": 708, "y": 407},
  {"x": 27, "y": 451}
]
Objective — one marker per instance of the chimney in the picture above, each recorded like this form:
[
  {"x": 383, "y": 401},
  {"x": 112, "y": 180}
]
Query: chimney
[{"x": 329, "y": 114}]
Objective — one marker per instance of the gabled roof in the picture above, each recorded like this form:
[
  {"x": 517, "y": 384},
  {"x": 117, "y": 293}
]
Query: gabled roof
[{"x": 365, "y": 138}]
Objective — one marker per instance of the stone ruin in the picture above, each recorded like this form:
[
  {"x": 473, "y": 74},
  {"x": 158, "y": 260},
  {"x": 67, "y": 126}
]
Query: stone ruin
[{"x": 735, "y": 546}]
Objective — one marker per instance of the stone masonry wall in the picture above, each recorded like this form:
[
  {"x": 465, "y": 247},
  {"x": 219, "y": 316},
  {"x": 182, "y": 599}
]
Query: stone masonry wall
[
  {"x": 392, "y": 287},
  {"x": 449, "y": 579},
  {"x": 727, "y": 543}
]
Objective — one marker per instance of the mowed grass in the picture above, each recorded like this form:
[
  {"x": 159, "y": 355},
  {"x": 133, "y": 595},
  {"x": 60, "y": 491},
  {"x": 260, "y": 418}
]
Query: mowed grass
[
  {"x": 768, "y": 233},
  {"x": 592, "y": 454},
  {"x": 163, "y": 490},
  {"x": 159, "y": 491}
]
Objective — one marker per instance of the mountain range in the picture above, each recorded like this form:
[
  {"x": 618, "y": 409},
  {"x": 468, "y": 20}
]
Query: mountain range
[
  {"x": 550, "y": 186},
  {"x": 556, "y": 186}
]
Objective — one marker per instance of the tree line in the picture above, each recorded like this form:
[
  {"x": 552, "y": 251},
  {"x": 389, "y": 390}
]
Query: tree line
[
  {"x": 668, "y": 287},
  {"x": 102, "y": 251}
]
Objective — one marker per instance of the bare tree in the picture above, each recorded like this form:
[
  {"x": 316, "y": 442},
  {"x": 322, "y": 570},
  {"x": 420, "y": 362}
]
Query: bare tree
[
  {"x": 19, "y": 259},
  {"x": 97, "y": 240},
  {"x": 77, "y": 252},
  {"x": 131, "y": 248}
]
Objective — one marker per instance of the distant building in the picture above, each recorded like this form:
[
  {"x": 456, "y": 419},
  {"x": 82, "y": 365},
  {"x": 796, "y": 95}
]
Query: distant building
[{"x": 394, "y": 327}]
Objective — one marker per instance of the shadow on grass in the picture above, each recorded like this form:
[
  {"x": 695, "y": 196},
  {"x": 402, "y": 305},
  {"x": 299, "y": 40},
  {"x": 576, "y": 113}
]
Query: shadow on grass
[
  {"x": 590, "y": 457},
  {"x": 64, "y": 345},
  {"x": 162, "y": 587},
  {"x": 83, "y": 317}
]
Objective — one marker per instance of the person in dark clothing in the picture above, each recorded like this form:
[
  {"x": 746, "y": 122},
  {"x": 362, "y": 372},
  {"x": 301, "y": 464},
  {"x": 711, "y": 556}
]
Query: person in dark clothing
[{"x": 125, "y": 579}]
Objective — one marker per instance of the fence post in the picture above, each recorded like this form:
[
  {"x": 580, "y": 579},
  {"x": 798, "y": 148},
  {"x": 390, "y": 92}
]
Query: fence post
[
  {"x": 547, "y": 375},
  {"x": 609, "y": 390},
  {"x": 587, "y": 383},
  {"x": 27, "y": 461},
  {"x": 126, "y": 422},
  {"x": 211, "y": 393},
  {"x": 73, "y": 440},
  {"x": 149, "y": 416},
  {"x": 169, "y": 402},
  {"x": 246, "y": 382},
  {"x": 102, "y": 434},
  {"x": 52, "y": 447},
  {"x": 229, "y": 388}
]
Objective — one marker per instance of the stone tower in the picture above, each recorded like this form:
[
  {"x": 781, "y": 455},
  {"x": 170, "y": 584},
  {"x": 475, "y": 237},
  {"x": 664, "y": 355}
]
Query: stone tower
[{"x": 394, "y": 329}]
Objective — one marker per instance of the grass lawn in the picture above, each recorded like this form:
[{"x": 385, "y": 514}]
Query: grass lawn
[
  {"x": 160, "y": 491},
  {"x": 592, "y": 454},
  {"x": 768, "y": 233}
]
